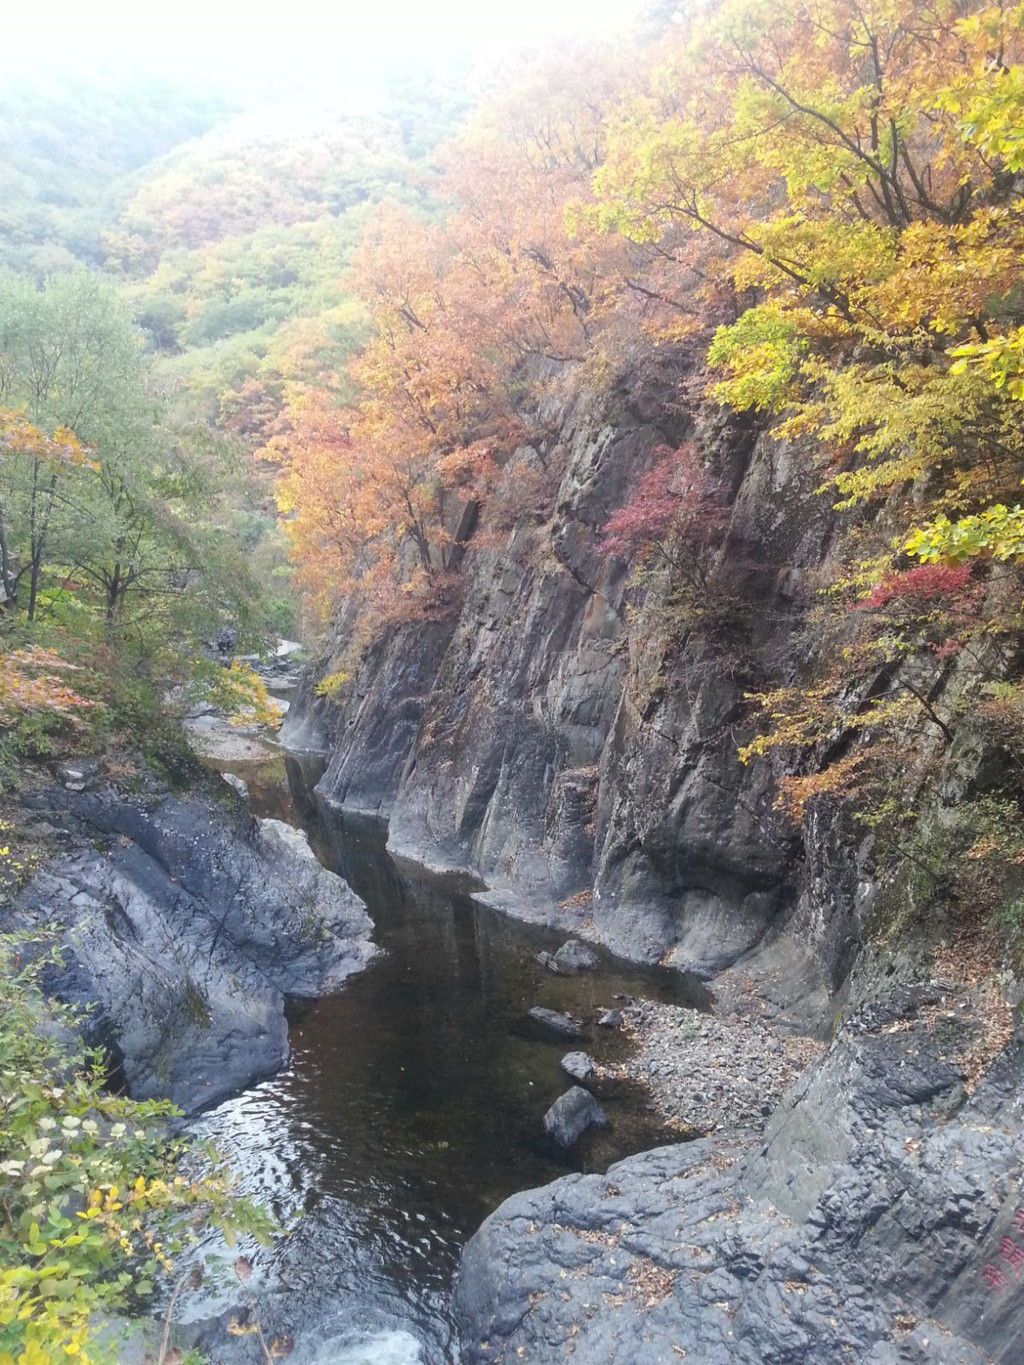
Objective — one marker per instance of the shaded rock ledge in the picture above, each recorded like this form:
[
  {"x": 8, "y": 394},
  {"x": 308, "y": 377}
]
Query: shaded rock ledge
[
  {"x": 184, "y": 923},
  {"x": 879, "y": 1219}
]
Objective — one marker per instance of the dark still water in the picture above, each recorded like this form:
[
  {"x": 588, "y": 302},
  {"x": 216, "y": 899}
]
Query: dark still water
[{"x": 413, "y": 1102}]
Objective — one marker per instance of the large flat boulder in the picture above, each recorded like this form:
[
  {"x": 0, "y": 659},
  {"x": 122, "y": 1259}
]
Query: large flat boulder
[{"x": 184, "y": 929}]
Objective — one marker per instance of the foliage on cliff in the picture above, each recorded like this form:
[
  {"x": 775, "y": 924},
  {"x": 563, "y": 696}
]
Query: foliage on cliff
[
  {"x": 853, "y": 173},
  {"x": 97, "y": 1201},
  {"x": 813, "y": 210},
  {"x": 384, "y": 490},
  {"x": 822, "y": 203}
]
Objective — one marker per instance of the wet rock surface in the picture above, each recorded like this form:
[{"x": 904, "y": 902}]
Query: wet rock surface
[
  {"x": 572, "y": 957},
  {"x": 572, "y": 1114},
  {"x": 236, "y": 784},
  {"x": 185, "y": 923},
  {"x": 875, "y": 1220}
]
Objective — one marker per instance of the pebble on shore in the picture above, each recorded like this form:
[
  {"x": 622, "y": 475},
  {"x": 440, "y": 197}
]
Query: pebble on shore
[{"x": 708, "y": 1073}]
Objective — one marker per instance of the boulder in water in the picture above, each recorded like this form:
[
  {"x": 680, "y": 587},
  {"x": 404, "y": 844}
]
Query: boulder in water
[
  {"x": 572, "y": 1114},
  {"x": 579, "y": 1065},
  {"x": 564, "y": 1024},
  {"x": 574, "y": 956}
]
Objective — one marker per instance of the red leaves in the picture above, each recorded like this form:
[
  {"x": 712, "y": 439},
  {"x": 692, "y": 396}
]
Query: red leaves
[
  {"x": 648, "y": 516},
  {"x": 678, "y": 497},
  {"x": 936, "y": 600},
  {"x": 923, "y": 584}
]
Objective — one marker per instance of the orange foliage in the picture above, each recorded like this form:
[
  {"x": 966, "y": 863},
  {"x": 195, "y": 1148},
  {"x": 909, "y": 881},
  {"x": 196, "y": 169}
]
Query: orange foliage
[
  {"x": 512, "y": 177},
  {"x": 838, "y": 779},
  {"x": 30, "y": 681},
  {"x": 468, "y": 316},
  {"x": 19, "y": 437}
]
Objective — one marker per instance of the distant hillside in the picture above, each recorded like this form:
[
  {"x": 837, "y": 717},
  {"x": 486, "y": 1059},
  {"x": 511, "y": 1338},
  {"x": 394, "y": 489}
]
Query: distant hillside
[
  {"x": 71, "y": 148},
  {"x": 229, "y": 216}
]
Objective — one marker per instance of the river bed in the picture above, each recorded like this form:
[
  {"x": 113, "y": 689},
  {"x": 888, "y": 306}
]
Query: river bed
[{"x": 413, "y": 1102}]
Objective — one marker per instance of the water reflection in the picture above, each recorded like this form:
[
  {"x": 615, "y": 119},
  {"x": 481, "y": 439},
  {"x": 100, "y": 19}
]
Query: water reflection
[{"x": 414, "y": 1100}]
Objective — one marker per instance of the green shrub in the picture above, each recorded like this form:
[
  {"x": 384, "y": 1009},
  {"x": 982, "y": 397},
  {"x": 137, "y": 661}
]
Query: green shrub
[{"x": 94, "y": 1199}]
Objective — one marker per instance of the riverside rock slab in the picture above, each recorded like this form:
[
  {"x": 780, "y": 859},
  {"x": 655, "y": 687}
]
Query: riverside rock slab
[{"x": 185, "y": 931}]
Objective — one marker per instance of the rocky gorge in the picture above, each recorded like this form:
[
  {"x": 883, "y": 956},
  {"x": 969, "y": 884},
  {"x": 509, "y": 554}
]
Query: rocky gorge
[
  {"x": 563, "y": 750},
  {"x": 568, "y": 741}
]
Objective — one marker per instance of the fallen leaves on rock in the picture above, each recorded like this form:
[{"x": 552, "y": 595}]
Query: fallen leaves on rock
[{"x": 649, "y": 1282}]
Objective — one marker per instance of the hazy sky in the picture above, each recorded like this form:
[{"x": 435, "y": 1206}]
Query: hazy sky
[{"x": 125, "y": 26}]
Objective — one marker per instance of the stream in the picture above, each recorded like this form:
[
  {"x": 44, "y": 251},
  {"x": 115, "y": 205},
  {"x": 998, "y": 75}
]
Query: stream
[{"x": 413, "y": 1102}]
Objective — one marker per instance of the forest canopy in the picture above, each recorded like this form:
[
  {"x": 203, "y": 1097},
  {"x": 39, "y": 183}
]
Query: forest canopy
[{"x": 355, "y": 326}]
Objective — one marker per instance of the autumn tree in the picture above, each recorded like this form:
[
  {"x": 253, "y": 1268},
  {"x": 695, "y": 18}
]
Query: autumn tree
[
  {"x": 69, "y": 360},
  {"x": 34, "y": 461},
  {"x": 868, "y": 228},
  {"x": 99, "y": 499},
  {"x": 469, "y": 312},
  {"x": 843, "y": 180},
  {"x": 525, "y": 158}
]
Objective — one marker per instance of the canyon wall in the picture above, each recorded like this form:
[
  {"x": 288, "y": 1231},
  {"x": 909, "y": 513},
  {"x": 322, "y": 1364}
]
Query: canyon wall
[{"x": 570, "y": 736}]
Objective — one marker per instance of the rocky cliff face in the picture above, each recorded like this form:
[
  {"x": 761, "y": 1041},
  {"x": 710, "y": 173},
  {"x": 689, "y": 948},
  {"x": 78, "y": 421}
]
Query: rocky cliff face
[
  {"x": 571, "y": 738},
  {"x": 878, "y": 1221},
  {"x": 183, "y": 923}
]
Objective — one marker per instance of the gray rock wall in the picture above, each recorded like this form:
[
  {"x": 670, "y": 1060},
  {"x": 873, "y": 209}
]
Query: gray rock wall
[
  {"x": 183, "y": 924},
  {"x": 572, "y": 742}
]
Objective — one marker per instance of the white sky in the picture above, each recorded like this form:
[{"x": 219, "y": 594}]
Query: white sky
[{"x": 128, "y": 27}]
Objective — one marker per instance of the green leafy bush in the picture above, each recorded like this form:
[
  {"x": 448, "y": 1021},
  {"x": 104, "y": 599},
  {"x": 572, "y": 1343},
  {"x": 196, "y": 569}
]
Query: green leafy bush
[
  {"x": 238, "y": 691},
  {"x": 95, "y": 1201}
]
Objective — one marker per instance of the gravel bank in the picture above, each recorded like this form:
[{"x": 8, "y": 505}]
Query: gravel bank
[
  {"x": 707, "y": 1073},
  {"x": 214, "y": 737}
]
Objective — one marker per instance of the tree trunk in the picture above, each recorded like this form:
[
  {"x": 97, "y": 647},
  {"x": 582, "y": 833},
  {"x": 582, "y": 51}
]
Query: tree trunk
[
  {"x": 113, "y": 594},
  {"x": 35, "y": 570}
]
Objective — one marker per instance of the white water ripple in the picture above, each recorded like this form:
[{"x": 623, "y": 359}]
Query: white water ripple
[{"x": 385, "y": 1348}]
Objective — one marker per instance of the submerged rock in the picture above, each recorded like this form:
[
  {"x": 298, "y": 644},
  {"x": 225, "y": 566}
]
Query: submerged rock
[
  {"x": 564, "y": 1024},
  {"x": 186, "y": 932},
  {"x": 572, "y": 1114},
  {"x": 574, "y": 956},
  {"x": 547, "y": 959},
  {"x": 579, "y": 1065}
]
